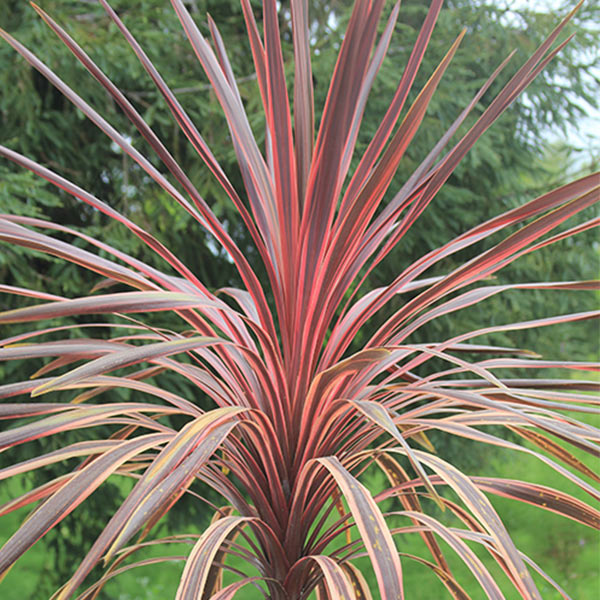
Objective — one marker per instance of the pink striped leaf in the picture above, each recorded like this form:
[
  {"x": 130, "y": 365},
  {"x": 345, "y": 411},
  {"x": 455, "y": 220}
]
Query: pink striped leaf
[
  {"x": 109, "y": 303},
  {"x": 373, "y": 530},
  {"x": 75, "y": 417},
  {"x": 200, "y": 560},
  {"x": 123, "y": 358},
  {"x": 39, "y": 493},
  {"x": 377, "y": 414},
  {"x": 396, "y": 475},
  {"x": 469, "y": 557},
  {"x": 202, "y": 436},
  {"x": 71, "y": 494},
  {"x": 481, "y": 507},
  {"x": 335, "y": 580},
  {"x": 88, "y": 448}
]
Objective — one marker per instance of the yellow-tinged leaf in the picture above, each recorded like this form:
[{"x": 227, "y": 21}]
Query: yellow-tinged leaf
[
  {"x": 420, "y": 437},
  {"x": 339, "y": 505}
]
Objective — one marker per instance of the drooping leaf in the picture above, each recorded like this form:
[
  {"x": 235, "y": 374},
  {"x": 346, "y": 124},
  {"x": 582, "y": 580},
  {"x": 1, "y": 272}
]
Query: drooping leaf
[{"x": 373, "y": 530}]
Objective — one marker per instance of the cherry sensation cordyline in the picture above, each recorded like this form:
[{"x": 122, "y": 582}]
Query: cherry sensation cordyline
[{"x": 299, "y": 413}]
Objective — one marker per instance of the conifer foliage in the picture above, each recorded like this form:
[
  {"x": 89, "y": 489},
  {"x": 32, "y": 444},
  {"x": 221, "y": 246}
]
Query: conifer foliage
[{"x": 299, "y": 413}]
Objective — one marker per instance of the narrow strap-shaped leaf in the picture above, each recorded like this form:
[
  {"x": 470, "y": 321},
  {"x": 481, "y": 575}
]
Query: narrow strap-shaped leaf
[
  {"x": 545, "y": 443},
  {"x": 358, "y": 581},
  {"x": 100, "y": 122},
  {"x": 455, "y": 589},
  {"x": 517, "y": 215},
  {"x": 545, "y": 322},
  {"x": 244, "y": 299},
  {"x": 478, "y": 368},
  {"x": 19, "y": 291},
  {"x": 104, "y": 383},
  {"x": 214, "y": 581},
  {"x": 527, "y": 73},
  {"x": 393, "y": 112},
  {"x": 258, "y": 55},
  {"x": 30, "y": 409},
  {"x": 258, "y": 50},
  {"x": 531, "y": 493},
  {"x": 8, "y": 390},
  {"x": 365, "y": 88},
  {"x": 326, "y": 172},
  {"x": 70, "y": 495},
  {"x": 229, "y": 592},
  {"x": 481, "y": 507},
  {"x": 374, "y": 187},
  {"x": 147, "y": 132},
  {"x": 542, "y": 497},
  {"x": 15, "y": 234},
  {"x": 304, "y": 118},
  {"x": 270, "y": 257},
  {"x": 490, "y": 261},
  {"x": 571, "y": 318},
  {"x": 377, "y": 414},
  {"x": 221, "y": 315},
  {"x": 280, "y": 125},
  {"x": 200, "y": 431},
  {"x": 257, "y": 178},
  {"x": 487, "y": 542},
  {"x": 592, "y": 223},
  {"x": 235, "y": 114},
  {"x": 88, "y": 448},
  {"x": 206, "y": 217},
  {"x": 75, "y": 418},
  {"x": 432, "y": 183},
  {"x": 373, "y": 530},
  {"x": 330, "y": 164},
  {"x": 330, "y": 248},
  {"x": 324, "y": 383},
  {"x": 396, "y": 475},
  {"x": 70, "y": 350},
  {"x": 88, "y": 198},
  {"x": 109, "y": 303},
  {"x": 123, "y": 358},
  {"x": 519, "y": 81},
  {"x": 198, "y": 565},
  {"x": 350, "y": 366},
  {"x": 335, "y": 581},
  {"x": 531, "y": 208},
  {"x": 171, "y": 486},
  {"x": 469, "y": 557},
  {"x": 92, "y": 592},
  {"x": 151, "y": 279},
  {"x": 35, "y": 495},
  {"x": 481, "y": 436},
  {"x": 178, "y": 113},
  {"x": 479, "y": 294},
  {"x": 371, "y": 240}
]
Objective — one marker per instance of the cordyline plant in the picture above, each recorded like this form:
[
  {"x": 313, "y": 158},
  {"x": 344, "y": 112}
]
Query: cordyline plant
[{"x": 300, "y": 414}]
